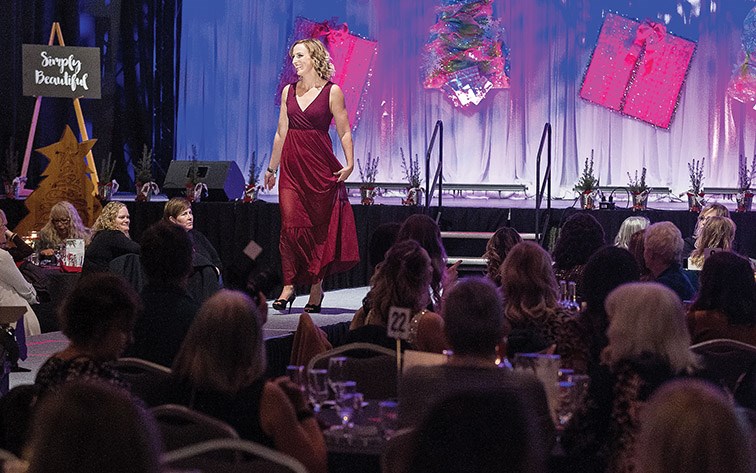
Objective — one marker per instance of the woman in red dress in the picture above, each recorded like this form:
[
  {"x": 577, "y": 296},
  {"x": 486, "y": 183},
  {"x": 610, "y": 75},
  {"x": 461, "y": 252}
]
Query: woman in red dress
[{"x": 318, "y": 236}]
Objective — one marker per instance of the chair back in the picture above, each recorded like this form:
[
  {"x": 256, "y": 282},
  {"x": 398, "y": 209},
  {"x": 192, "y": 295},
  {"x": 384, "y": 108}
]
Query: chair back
[
  {"x": 725, "y": 361},
  {"x": 149, "y": 381},
  {"x": 247, "y": 456},
  {"x": 181, "y": 426},
  {"x": 130, "y": 267},
  {"x": 373, "y": 367}
]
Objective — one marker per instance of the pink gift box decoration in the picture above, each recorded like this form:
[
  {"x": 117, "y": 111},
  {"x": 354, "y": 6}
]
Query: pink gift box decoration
[
  {"x": 637, "y": 69},
  {"x": 352, "y": 58}
]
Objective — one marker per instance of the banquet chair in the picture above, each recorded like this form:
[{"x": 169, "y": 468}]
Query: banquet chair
[
  {"x": 725, "y": 361},
  {"x": 149, "y": 381},
  {"x": 247, "y": 456},
  {"x": 373, "y": 367},
  {"x": 180, "y": 426},
  {"x": 130, "y": 267}
]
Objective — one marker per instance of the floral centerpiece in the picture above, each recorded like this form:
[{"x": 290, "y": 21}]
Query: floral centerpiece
[
  {"x": 253, "y": 187},
  {"x": 638, "y": 189},
  {"x": 143, "y": 180},
  {"x": 194, "y": 184},
  {"x": 107, "y": 185},
  {"x": 367, "y": 176},
  {"x": 744, "y": 197},
  {"x": 587, "y": 185},
  {"x": 411, "y": 169},
  {"x": 696, "y": 192}
]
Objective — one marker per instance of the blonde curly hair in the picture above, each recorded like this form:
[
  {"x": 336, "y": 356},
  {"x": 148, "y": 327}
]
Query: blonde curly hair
[
  {"x": 321, "y": 60},
  {"x": 107, "y": 218}
]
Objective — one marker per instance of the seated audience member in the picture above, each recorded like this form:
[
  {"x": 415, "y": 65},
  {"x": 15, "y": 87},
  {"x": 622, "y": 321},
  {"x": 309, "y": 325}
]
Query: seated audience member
[
  {"x": 489, "y": 431},
  {"x": 607, "y": 269},
  {"x": 12, "y": 242},
  {"x": 647, "y": 345},
  {"x": 426, "y": 232},
  {"x": 711, "y": 210},
  {"x": 531, "y": 300},
  {"x": 168, "y": 309},
  {"x": 663, "y": 245},
  {"x": 64, "y": 223},
  {"x": 382, "y": 239},
  {"x": 717, "y": 233},
  {"x": 475, "y": 327},
  {"x": 220, "y": 371},
  {"x": 726, "y": 302},
  {"x": 110, "y": 238},
  {"x": 92, "y": 428},
  {"x": 690, "y": 426},
  {"x": 636, "y": 248},
  {"x": 628, "y": 227},
  {"x": 205, "y": 279},
  {"x": 98, "y": 318},
  {"x": 15, "y": 290},
  {"x": 496, "y": 250},
  {"x": 580, "y": 237},
  {"x": 403, "y": 279}
]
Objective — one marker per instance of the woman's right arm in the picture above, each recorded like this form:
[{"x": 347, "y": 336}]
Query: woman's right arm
[
  {"x": 293, "y": 433},
  {"x": 278, "y": 141}
]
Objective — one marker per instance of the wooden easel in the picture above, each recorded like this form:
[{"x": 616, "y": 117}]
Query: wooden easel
[{"x": 55, "y": 32}]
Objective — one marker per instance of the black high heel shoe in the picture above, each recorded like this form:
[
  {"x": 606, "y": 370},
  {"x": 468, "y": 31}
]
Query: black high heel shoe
[
  {"x": 280, "y": 304},
  {"x": 313, "y": 308}
]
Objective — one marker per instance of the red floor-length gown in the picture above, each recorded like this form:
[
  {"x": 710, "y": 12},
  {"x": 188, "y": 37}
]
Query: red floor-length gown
[{"x": 318, "y": 235}]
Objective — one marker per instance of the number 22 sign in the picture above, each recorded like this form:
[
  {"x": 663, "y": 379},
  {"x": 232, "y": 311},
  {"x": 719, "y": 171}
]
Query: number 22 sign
[{"x": 398, "y": 323}]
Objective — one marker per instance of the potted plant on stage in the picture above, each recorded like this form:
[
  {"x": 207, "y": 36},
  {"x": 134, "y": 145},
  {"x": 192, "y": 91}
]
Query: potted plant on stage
[
  {"x": 638, "y": 189},
  {"x": 696, "y": 192},
  {"x": 11, "y": 180},
  {"x": 587, "y": 185},
  {"x": 412, "y": 175},
  {"x": 367, "y": 176},
  {"x": 143, "y": 180},
  {"x": 252, "y": 188},
  {"x": 107, "y": 185},
  {"x": 194, "y": 184},
  {"x": 744, "y": 197}
]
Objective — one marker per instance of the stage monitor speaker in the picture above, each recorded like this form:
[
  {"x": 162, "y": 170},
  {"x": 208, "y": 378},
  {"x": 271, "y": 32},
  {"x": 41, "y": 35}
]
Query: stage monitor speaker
[{"x": 224, "y": 180}]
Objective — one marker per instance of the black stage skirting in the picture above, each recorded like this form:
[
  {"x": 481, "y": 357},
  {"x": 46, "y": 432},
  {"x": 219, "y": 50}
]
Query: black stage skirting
[{"x": 231, "y": 225}]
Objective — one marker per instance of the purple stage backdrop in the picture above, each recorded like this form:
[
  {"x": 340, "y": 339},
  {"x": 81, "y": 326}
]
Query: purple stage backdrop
[{"x": 232, "y": 54}]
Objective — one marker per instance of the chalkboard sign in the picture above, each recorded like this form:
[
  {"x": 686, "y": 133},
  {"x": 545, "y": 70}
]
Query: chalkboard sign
[{"x": 61, "y": 71}]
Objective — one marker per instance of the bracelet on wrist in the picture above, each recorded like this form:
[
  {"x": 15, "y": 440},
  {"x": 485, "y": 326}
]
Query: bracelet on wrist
[
  {"x": 305, "y": 414},
  {"x": 272, "y": 171}
]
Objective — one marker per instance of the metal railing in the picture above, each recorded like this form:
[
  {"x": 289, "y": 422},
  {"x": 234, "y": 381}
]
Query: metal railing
[
  {"x": 543, "y": 186},
  {"x": 439, "y": 177}
]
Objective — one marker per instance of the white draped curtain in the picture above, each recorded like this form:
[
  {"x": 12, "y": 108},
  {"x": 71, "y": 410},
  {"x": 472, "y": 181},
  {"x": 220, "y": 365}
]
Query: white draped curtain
[{"x": 232, "y": 52}]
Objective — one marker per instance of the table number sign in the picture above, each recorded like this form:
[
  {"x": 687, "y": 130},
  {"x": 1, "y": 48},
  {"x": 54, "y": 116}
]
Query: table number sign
[{"x": 398, "y": 323}]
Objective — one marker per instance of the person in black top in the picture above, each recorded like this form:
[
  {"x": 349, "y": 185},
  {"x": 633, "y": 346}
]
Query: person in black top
[
  {"x": 168, "y": 308},
  {"x": 110, "y": 238}
]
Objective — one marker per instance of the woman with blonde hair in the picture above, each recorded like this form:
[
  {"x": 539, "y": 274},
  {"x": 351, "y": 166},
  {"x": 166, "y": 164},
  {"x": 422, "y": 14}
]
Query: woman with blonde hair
[
  {"x": 220, "y": 371},
  {"x": 531, "y": 301},
  {"x": 648, "y": 345},
  {"x": 110, "y": 238},
  {"x": 690, "y": 426},
  {"x": 64, "y": 223},
  {"x": 318, "y": 234},
  {"x": 403, "y": 279},
  {"x": 629, "y": 226},
  {"x": 717, "y": 233}
]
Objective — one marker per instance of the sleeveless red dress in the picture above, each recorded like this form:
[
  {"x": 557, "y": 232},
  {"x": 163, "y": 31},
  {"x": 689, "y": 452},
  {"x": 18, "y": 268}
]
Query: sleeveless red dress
[{"x": 318, "y": 235}]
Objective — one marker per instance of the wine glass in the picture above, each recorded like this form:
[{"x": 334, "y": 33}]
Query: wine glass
[
  {"x": 336, "y": 373},
  {"x": 318, "y": 387},
  {"x": 345, "y": 402}
]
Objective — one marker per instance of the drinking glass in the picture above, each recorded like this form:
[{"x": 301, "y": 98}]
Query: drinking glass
[
  {"x": 296, "y": 375},
  {"x": 388, "y": 412},
  {"x": 336, "y": 372},
  {"x": 345, "y": 402},
  {"x": 318, "y": 384}
]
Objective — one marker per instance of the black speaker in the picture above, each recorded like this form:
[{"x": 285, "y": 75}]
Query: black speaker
[{"x": 224, "y": 180}]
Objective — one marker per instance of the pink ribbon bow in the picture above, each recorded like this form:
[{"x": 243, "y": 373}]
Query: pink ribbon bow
[
  {"x": 650, "y": 35},
  {"x": 332, "y": 35}
]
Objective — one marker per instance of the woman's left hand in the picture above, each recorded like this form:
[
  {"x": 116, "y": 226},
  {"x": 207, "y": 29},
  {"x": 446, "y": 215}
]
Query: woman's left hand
[{"x": 343, "y": 173}]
